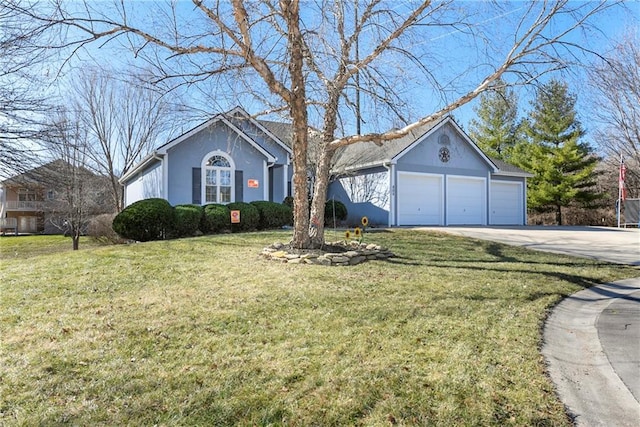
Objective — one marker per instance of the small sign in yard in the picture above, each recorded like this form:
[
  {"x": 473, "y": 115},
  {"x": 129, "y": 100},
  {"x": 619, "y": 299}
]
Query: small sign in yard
[
  {"x": 235, "y": 217},
  {"x": 253, "y": 183}
]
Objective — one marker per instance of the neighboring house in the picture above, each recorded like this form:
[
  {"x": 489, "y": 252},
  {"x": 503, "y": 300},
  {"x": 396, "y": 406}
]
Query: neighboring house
[
  {"x": 433, "y": 176},
  {"x": 30, "y": 202},
  {"x": 229, "y": 158}
]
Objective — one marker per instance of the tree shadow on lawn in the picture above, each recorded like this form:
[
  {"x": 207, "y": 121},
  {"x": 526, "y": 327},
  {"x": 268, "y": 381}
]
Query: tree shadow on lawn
[{"x": 486, "y": 265}]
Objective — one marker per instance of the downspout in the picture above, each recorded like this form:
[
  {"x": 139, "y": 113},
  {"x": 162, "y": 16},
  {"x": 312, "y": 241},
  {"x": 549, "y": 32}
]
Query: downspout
[
  {"x": 392, "y": 192},
  {"x": 165, "y": 174},
  {"x": 285, "y": 178},
  {"x": 524, "y": 193},
  {"x": 265, "y": 190}
]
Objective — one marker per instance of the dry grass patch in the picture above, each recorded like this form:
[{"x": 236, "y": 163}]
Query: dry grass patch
[{"x": 204, "y": 332}]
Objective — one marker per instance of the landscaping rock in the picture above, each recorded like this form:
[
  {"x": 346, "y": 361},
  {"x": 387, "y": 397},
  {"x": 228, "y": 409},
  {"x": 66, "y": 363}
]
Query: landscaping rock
[{"x": 344, "y": 254}]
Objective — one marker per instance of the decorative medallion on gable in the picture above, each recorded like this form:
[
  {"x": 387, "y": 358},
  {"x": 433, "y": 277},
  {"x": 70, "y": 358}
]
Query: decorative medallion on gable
[{"x": 444, "y": 139}]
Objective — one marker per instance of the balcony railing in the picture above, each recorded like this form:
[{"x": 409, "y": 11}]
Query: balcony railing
[{"x": 17, "y": 205}]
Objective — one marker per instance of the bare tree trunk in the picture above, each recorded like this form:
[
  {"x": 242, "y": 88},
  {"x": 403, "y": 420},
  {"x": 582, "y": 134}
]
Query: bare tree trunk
[
  {"x": 298, "y": 112},
  {"x": 559, "y": 215},
  {"x": 323, "y": 170},
  {"x": 76, "y": 241}
]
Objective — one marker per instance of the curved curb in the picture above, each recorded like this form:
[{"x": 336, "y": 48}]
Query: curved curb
[{"x": 585, "y": 380}]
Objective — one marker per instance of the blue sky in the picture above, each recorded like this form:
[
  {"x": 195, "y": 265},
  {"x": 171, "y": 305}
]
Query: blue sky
[{"x": 457, "y": 61}]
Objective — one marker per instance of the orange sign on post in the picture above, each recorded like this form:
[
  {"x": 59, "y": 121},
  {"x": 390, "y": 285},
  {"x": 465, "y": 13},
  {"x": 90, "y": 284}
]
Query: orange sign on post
[
  {"x": 235, "y": 217},
  {"x": 253, "y": 183}
]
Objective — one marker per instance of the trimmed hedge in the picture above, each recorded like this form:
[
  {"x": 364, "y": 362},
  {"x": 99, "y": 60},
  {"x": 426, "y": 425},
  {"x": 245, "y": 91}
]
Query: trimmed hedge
[
  {"x": 249, "y": 216},
  {"x": 216, "y": 218},
  {"x": 340, "y": 212},
  {"x": 145, "y": 220},
  {"x": 273, "y": 215},
  {"x": 188, "y": 218}
]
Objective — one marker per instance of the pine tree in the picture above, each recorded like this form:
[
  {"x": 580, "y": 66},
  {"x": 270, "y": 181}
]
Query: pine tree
[
  {"x": 496, "y": 130},
  {"x": 563, "y": 166}
]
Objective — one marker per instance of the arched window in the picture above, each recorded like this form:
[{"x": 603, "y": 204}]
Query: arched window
[{"x": 218, "y": 175}]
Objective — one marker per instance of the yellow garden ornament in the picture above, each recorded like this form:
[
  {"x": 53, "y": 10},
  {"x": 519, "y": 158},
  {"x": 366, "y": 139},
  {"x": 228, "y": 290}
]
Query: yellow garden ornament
[
  {"x": 365, "y": 221},
  {"x": 357, "y": 233},
  {"x": 347, "y": 235}
]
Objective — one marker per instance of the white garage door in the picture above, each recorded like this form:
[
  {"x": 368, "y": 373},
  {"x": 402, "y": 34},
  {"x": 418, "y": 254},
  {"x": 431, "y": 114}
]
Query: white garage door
[
  {"x": 507, "y": 206},
  {"x": 419, "y": 199},
  {"x": 466, "y": 201}
]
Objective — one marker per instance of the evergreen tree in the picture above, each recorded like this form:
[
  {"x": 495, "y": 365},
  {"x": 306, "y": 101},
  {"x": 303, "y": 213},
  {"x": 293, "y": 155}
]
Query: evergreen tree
[
  {"x": 563, "y": 166},
  {"x": 496, "y": 129}
]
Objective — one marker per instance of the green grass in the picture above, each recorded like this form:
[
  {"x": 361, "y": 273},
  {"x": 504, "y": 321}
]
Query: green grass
[{"x": 205, "y": 332}]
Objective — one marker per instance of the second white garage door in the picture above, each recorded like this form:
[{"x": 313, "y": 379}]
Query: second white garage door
[
  {"x": 466, "y": 201},
  {"x": 420, "y": 199}
]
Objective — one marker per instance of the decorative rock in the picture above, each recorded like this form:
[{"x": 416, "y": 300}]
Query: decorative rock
[
  {"x": 357, "y": 260},
  {"x": 357, "y": 254}
]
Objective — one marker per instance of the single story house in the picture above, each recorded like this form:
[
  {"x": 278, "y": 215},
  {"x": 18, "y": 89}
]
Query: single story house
[
  {"x": 229, "y": 158},
  {"x": 433, "y": 176}
]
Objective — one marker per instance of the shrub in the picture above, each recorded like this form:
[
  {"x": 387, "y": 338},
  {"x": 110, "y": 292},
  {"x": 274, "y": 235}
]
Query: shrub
[
  {"x": 215, "y": 219},
  {"x": 273, "y": 215},
  {"x": 145, "y": 220},
  {"x": 188, "y": 219},
  {"x": 100, "y": 229},
  {"x": 249, "y": 216},
  {"x": 340, "y": 212}
]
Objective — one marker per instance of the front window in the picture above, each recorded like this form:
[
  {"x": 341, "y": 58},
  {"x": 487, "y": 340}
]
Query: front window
[{"x": 218, "y": 179}]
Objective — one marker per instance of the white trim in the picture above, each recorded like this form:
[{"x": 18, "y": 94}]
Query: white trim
[
  {"x": 431, "y": 131},
  {"x": 285, "y": 172},
  {"x": 265, "y": 180},
  {"x": 524, "y": 197},
  {"x": 219, "y": 118},
  {"x": 165, "y": 177},
  {"x": 147, "y": 160},
  {"x": 203, "y": 175},
  {"x": 514, "y": 174},
  {"x": 390, "y": 219},
  {"x": 488, "y": 204},
  {"x": 485, "y": 201},
  {"x": 261, "y": 127},
  {"x": 440, "y": 177}
]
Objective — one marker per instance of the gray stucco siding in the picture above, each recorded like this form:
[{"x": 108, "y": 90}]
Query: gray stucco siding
[{"x": 190, "y": 153}]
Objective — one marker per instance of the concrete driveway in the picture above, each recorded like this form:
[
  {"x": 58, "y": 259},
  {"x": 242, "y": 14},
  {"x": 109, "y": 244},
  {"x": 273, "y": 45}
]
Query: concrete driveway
[
  {"x": 591, "y": 339},
  {"x": 618, "y": 245}
]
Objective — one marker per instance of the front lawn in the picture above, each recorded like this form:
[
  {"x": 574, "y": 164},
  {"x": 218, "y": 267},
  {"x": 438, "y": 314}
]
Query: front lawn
[{"x": 203, "y": 331}]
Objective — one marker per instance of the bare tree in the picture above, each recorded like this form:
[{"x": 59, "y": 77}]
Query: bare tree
[
  {"x": 123, "y": 118},
  {"x": 23, "y": 104},
  {"x": 78, "y": 192},
  {"x": 307, "y": 64},
  {"x": 616, "y": 84}
]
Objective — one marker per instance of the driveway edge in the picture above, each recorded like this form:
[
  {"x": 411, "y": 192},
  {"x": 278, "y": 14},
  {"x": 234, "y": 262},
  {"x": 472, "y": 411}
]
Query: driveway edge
[{"x": 585, "y": 381}]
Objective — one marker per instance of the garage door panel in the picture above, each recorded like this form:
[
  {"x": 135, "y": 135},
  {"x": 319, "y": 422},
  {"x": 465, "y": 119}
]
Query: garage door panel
[
  {"x": 466, "y": 201},
  {"x": 419, "y": 199},
  {"x": 507, "y": 207}
]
